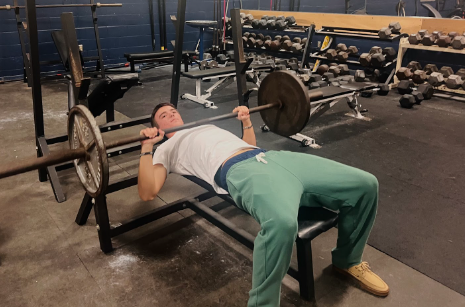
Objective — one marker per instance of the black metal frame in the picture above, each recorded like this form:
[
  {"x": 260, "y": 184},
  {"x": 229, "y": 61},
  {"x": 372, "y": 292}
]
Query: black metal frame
[
  {"x": 106, "y": 231},
  {"x": 42, "y": 142},
  {"x": 24, "y": 27}
]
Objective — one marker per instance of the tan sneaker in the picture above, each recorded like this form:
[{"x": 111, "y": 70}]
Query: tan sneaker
[{"x": 366, "y": 278}]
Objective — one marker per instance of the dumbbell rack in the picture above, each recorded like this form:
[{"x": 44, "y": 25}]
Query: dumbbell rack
[{"x": 404, "y": 45}]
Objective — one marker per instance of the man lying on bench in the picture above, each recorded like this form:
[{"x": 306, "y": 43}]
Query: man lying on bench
[{"x": 270, "y": 186}]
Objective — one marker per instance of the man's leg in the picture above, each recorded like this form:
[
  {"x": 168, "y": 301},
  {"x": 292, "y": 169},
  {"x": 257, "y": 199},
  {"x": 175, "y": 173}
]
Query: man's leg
[
  {"x": 351, "y": 191},
  {"x": 272, "y": 196}
]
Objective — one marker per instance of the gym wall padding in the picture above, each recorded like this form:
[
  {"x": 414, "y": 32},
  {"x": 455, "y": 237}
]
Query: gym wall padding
[{"x": 122, "y": 30}]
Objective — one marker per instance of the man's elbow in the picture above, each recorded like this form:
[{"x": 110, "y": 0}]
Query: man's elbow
[{"x": 147, "y": 196}]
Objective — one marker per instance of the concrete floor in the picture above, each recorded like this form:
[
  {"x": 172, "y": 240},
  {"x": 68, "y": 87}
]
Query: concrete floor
[{"x": 181, "y": 260}]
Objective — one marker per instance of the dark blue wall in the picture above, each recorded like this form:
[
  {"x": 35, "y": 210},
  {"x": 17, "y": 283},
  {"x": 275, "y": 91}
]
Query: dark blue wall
[{"x": 127, "y": 29}]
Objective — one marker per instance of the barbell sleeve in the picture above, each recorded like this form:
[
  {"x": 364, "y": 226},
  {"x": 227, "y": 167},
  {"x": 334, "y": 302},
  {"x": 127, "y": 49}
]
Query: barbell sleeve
[{"x": 31, "y": 164}]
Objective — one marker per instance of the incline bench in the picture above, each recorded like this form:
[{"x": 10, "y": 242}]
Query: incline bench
[
  {"x": 226, "y": 76},
  {"x": 312, "y": 222}
]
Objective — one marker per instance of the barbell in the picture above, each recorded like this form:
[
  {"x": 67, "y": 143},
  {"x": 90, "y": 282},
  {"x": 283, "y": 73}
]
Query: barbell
[{"x": 283, "y": 103}]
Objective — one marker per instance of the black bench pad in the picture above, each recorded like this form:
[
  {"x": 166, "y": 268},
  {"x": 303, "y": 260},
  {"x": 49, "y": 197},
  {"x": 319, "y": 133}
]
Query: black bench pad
[
  {"x": 198, "y": 74},
  {"x": 151, "y": 55}
]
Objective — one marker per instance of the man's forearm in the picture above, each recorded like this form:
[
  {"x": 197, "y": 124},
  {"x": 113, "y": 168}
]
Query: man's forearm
[
  {"x": 146, "y": 177},
  {"x": 249, "y": 134}
]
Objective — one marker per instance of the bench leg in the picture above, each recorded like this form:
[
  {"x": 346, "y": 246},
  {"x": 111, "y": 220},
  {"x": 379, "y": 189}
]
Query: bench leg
[
  {"x": 133, "y": 68},
  {"x": 305, "y": 266},
  {"x": 103, "y": 223}
]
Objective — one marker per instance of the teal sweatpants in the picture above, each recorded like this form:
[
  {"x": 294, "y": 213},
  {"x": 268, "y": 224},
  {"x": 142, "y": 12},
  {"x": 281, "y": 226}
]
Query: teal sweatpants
[{"x": 273, "y": 192}]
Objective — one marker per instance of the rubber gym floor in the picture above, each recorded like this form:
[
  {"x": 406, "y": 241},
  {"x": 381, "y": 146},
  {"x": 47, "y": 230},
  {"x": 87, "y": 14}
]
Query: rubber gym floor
[{"x": 416, "y": 245}]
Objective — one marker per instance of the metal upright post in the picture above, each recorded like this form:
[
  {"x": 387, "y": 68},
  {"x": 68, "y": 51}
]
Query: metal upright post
[
  {"x": 35, "y": 82},
  {"x": 239, "y": 55},
  {"x": 181, "y": 18},
  {"x": 97, "y": 39}
]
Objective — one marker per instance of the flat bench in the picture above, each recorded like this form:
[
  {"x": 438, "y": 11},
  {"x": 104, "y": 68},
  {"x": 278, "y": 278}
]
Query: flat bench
[
  {"x": 226, "y": 76},
  {"x": 311, "y": 223},
  {"x": 160, "y": 56}
]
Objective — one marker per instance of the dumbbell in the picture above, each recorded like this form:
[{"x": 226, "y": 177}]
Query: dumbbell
[
  {"x": 375, "y": 49},
  {"x": 458, "y": 42},
  {"x": 377, "y": 60},
  {"x": 407, "y": 101},
  {"x": 297, "y": 40},
  {"x": 352, "y": 50},
  {"x": 267, "y": 44},
  {"x": 278, "y": 38},
  {"x": 414, "y": 39},
  {"x": 331, "y": 54},
  {"x": 341, "y": 47},
  {"x": 395, "y": 27},
  {"x": 405, "y": 87},
  {"x": 271, "y": 24},
  {"x": 286, "y": 45},
  {"x": 251, "y": 42},
  {"x": 383, "y": 89},
  {"x": 334, "y": 70},
  {"x": 344, "y": 69},
  {"x": 446, "y": 71},
  {"x": 296, "y": 47},
  {"x": 285, "y": 38},
  {"x": 384, "y": 33},
  {"x": 255, "y": 23},
  {"x": 430, "y": 68},
  {"x": 461, "y": 73},
  {"x": 414, "y": 65},
  {"x": 389, "y": 53},
  {"x": 259, "y": 43},
  {"x": 365, "y": 59},
  {"x": 275, "y": 45},
  {"x": 260, "y": 36},
  {"x": 304, "y": 41},
  {"x": 454, "y": 82},
  {"x": 444, "y": 41},
  {"x": 342, "y": 56},
  {"x": 436, "y": 79},
  {"x": 359, "y": 76},
  {"x": 428, "y": 40},
  {"x": 419, "y": 76},
  {"x": 404, "y": 73},
  {"x": 322, "y": 69}
]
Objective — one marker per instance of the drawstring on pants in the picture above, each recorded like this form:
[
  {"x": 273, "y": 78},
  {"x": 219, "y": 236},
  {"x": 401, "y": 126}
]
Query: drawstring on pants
[{"x": 260, "y": 156}]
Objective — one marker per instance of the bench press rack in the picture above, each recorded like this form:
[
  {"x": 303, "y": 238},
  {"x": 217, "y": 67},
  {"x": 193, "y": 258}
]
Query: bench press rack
[{"x": 43, "y": 142}]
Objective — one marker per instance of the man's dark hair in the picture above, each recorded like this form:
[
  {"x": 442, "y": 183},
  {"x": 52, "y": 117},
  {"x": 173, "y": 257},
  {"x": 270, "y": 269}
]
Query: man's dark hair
[{"x": 157, "y": 107}]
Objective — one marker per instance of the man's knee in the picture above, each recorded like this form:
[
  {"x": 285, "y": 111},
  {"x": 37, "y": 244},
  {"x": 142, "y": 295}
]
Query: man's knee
[{"x": 283, "y": 228}]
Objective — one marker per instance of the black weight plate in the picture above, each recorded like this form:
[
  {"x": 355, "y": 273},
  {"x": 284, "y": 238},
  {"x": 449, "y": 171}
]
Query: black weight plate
[{"x": 284, "y": 88}]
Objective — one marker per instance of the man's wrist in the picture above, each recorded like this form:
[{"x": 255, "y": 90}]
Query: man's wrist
[
  {"x": 146, "y": 148},
  {"x": 247, "y": 122}
]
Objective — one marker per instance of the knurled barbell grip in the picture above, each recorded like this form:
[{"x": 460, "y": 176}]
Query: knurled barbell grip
[{"x": 140, "y": 138}]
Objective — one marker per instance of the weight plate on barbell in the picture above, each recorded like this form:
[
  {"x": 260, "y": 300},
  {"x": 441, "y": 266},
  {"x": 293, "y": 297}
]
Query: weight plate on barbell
[
  {"x": 84, "y": 132},
  {"x": 284, "y": 88}
]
